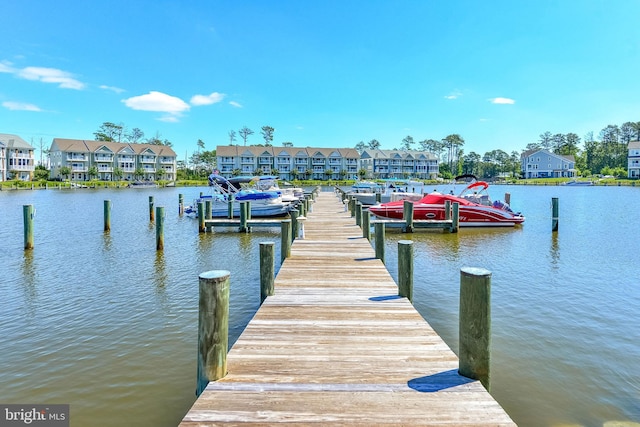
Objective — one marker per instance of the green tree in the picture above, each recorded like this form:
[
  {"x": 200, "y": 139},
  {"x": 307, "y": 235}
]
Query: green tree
[
  {"x": 329, "y": 173},
  {"x": 118, "y": 173},
  {"x": 275, "y": 172},
  {"x": 135, "y": 135},
  {"x": 295, "y": 173},
  {"x": 362, "y": 173},
  {"x": 93, "y": 172},
  {"x": 109, "y": 131},
  {"x": 232, "y": 137},
  {"x": 287, "y": 144},
  {"x": 374, "y": 144},
  {"x": 453, "y": 143},
  {"x": 40, "y": 173},
  {"x": 267, "y": 135},
  {"x": 407, "y": 142},
  {"x": 139, "y": 173},
  {"x": 200, "y": 145},
  {"x": 308, "y": 173},
  {"x": 245, "y": 132},
  {"x": 65, "y": 171},
  {"x": 360, "y": 147}
]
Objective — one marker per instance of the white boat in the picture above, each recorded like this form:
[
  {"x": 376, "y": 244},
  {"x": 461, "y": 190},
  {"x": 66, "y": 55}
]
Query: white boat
[
  {"x": 369, "y": 193},
  {"x": 263, "y": 203}
]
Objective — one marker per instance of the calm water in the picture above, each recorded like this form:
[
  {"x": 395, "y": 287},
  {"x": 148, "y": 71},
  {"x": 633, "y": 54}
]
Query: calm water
[{"x": 108, "y": 324}]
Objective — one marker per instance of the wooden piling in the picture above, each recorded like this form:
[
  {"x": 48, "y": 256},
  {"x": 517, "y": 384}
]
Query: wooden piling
[
  {"x": 447, "y": 210},
  {"x": 378, "y": 197},
  {"x": 407, "y": 215},
  {"x": 352, "y": 206},
  {"x": 201, "y": 226},
  {"x": 180, "y": 204},
  {"x": 475, "y": 324},
  {"x": 358, "y": 214},
  {"x": 267, "y": 269},
  {"x": 243, "y": 217},
  {"x": 230, "y": 207},
  {"x": 455, "y": 220},
  {"x": 28, "y": 213},
  {"x": 160, "y": 228},
  {"x": 151, "y": 208},
  {"x": 380, "y": 237},
  {"x": 107, "y": 215},
  {"x": 555, "y": 213},
  {"x": 507, "y": 198},
  {"x": 285, "y": 239},
  {"x": 213, "y": 327},
  {"x": 294, "y": 223},
  {"x": 207, "y": 209},
  {"x": 366, "y": 224},
  {"x": 405, "y": 269}
]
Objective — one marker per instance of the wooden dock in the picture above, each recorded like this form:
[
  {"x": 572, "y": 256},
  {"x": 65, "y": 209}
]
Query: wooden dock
[{"x": 335, "y": 345}]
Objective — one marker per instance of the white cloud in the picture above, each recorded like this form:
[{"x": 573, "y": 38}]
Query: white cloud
[
  {"x": 51, "y": 75},
  {"x": 502, "y": 101},
  {"x": 158, "y": 101},
  {"x": 454, "y": 95},
  {"x": 5, "y": 67},
  {"x": 212, "y": 98},
  {"x": 20, "y": 106},
  {"x": 168, "y": 119},
  {"x": 235, "y": 104},
  {"x": 112, "y": 88}
]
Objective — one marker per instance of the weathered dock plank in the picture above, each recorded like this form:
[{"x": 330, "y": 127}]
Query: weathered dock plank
[{"x": 336, "y": 345}]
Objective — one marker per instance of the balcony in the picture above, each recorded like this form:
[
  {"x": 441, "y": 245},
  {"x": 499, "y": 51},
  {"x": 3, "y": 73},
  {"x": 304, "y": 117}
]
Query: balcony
[
  {"x": 246, "y": 160},
  {"x": 265, "y": 161},
  {"x": 102, "y": 158},
  {"x": 77, "y": 157},
  {"x": 79, "y": 169},
  {"x": 129, "y": 159},
  {"x": 149, "y": 170},
  {"x": 318, "y": 162},
  {"x": 105, "y": 169},
  {"x": 21, "y": 168}
]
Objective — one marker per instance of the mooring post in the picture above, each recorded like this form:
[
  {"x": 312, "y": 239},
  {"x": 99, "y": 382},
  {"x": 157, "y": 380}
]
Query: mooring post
[
  {"x": 201, "y": 227},
  {"x": 407, "y": 215},
  {"x": 151, "y": 208},
  {"x": 230, "y": 207},
  {"x": 555, "y": 213},
  {"x": 366, "y": 224},
  {"x": 379, "y": 233},
  {"x": 28, "y": 212},
  {"x": 213, "y": 327},
  {"x": 294, "y": 223},
  {"x": 243, "y": 217},
  {"x": 180, "y": 204},
  {"x": 107, "y": 215},
  {"x": 475, "y": 324},
  {"x": 447, "y": 210},
  {"x": 267, "y": 269},
  {"x": 405, "y": 269},
  {"x": 455, "y": 220},
  {"x": 207, "y": 209},
  {"x": 507, "y": 198},
  {"x": 358, "y": 214},
  {"x": 285, "y": 239},
  {"x": 301, "y": 220},
  {"x": 352, "y": 206},
  {"x": 378, "y": 197},
  {"x": 160, "y": 228}
]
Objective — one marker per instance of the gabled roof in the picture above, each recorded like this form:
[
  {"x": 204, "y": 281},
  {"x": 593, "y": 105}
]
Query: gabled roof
[
  {"x": 14, "y": 141},
  {"x": 569, "y": 158},
  {"x": 84, "y": 146}
]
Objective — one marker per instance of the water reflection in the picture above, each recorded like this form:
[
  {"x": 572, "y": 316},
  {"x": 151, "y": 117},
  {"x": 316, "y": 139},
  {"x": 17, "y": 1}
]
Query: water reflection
[
  {"x": 554, "y": 251},
  {"x": 29, "y": 280}
]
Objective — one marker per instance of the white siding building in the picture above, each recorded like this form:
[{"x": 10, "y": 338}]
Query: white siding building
[
  {"x": 16, "y": 158},
  {"x": 399, "y": 164},
  {"x": 545, "y": 164},
  {"x": 633, "y": 160},
  {"x": 288, "y": 162},
  {"x": 111, "y": 161}
]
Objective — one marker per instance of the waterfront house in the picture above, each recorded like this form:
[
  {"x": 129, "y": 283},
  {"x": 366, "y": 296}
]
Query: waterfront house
[
  {"x": 288, "y": 162},
  {"x": 633, "y": 160},
  {"x": 399, "y": 164},
  {"x": 16, "y": 158},
  {"x": 545, "y": 164},
  {"x": 111, "y": 161}
]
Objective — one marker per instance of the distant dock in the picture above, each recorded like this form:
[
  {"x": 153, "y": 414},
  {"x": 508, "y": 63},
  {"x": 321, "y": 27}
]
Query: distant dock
[{"x": 336, "y": 345}]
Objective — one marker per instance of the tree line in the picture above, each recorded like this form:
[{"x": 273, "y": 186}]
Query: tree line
[{"x": 113, "y": 132}]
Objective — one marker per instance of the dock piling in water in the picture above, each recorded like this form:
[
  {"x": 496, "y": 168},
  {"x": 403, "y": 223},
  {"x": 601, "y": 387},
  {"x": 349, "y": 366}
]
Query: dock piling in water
[
  {"x": 267, "y": 269},
  {"x": 405, "y": 269},
  {"x": 107, "y": 215},
  {"x": 28, "y": 213},
  {"x": 475, "y": 324},
  {"x": 160, "y": 228},
  {"x": 555, "y": 214},
  {"x": 213, "y": 327},
  {"x": 151, "y": 208},
  {"x": 285, "y": 242},
  {"x": 380, "y": 237}
]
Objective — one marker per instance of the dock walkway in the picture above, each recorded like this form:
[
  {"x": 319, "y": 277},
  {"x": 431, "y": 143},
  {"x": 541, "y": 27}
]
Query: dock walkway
[{"x": 335, "y": 345}]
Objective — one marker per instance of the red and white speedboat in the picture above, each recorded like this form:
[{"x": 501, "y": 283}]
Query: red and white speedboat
[{"x": 475, "y": 208}]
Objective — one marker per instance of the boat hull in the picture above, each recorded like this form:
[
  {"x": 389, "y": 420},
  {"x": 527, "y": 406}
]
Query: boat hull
[{"x": 469, "y": 216}]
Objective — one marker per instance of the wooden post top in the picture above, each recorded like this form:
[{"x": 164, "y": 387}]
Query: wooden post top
[
  {"x": 475, "y": 271},
  {"x": 215, "y": 275}
]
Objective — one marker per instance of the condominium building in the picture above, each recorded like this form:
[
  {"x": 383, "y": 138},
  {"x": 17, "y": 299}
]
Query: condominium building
[
  {"x": 288, "y": 162},
  {"x": 111, "y": 161},
  {"x": 16, "y": 158},
  {"x": 399, "y": 164},
  {"x": 633, "y": 160}
]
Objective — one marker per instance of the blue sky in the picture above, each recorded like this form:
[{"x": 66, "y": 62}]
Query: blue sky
[{"x": 325, "y": 74}]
